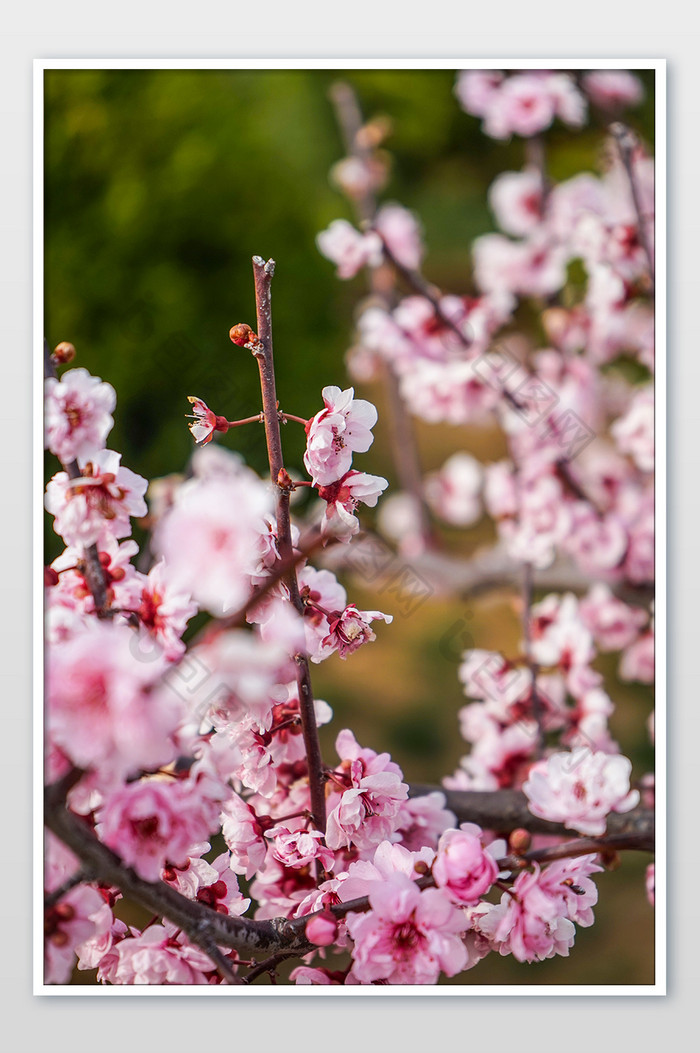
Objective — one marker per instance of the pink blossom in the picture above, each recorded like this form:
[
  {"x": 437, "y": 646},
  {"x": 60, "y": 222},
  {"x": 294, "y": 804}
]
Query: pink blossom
[
  {"x": 530, "y": 923},
  {"x": 205, "y": 421},
  {"x": 400, "y": 231},
  {"x": 613, "y": 623},
  {"x": 342, "y": 428},
  {"x": 209, "y": 537},
  {"x": 243, "y": 834},
  {"x": 348, "y": 249},
  {"x": 358, "y": 176},
  {"x": 159, "y": 956},
  {"x": 77, "y": 414},
  {"x": 349, "y": 629},
  {"x": 298, "y": 848},
  {"x": 559, "y": 636},
  {"x": 214, "y": 884},
  {"x": 454, "y": 392},
  {"x": 164, "y": 611},
  {"x": 321, "y": 592},
  {"x": 152, "y": 822},
  {"x": 524, "y": 105},
  {"x": 536, "y": 267},
  {"x": 598, "y": 544},
  {"x": 516, "y": 201},
  {"x": 66, "y": 926},
  {"x": 637, "y": 662},
  {"x": 613, "y": 89},
  {"x": 453, "y": 492},
  {"x": 568, "y": 880},
  {"x": 580, "y": 789},
  {"x": 343, "y": 497},
  {"x": 100, "y": 710},
  {"x": 98, "y": 504},
  {"x": 98, "y": 951},
  {"x": 71, "y": 920},
  {"x": 322, "y": 929},
  {"x": 408, "y": 937},
  {"x": 634, "y": 432},
  {"x": 477, "y": 88},
  {"x": 367, "y": 811},
  {"x": 500, "y": 492},
  {"x": 462, "y": 867},
  {"x": 230, "y": 675}
]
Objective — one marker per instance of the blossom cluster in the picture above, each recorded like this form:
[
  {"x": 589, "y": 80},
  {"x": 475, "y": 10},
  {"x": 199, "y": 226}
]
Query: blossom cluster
[{"x": 176, "y": 739}]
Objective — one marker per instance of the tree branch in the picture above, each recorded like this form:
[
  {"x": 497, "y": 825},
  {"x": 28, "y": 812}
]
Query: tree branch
[
  {"x": 263, "y": 273},
  {"x": 201, "y": 925},
  {"x": 507, "y": 810}
]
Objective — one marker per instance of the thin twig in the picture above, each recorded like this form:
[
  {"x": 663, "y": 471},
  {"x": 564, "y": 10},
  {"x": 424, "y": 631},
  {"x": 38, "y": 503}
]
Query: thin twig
[{"x": 263, "y": 273}]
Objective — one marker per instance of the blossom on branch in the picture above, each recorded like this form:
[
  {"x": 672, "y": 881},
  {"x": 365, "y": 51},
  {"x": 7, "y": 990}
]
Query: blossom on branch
[
  {"x": 342, "y": 428},
  {"x": 580, "y": 789}
]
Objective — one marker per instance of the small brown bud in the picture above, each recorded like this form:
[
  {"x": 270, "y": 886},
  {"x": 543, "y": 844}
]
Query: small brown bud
[
  {"x": 63, "y": 353},
  {"x": 284, "y": 480},
  {"x": 421, "y": 868},
  {"x": 519, "y": 841},
  {"x": 242, "y": 334}
]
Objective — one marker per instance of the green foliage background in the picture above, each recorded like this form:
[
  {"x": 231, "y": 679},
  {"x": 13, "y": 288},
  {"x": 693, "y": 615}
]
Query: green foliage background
[{"x": 160, "y": 186}]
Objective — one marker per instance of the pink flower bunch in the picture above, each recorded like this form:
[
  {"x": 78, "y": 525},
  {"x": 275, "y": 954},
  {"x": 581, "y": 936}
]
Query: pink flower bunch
[
  {"x": 350, "y": 250},
  {"x": 153, "y": 822},
  {"x": 158, "y": 955},
  {"x": 613, "y": 89},
  {"x": 522, "y": 103},
  {"x": 401, "y": 233},
  {"x": 99, "y": 503},
  {"x": 208, "y": 538},
  {"x": 342, "y": 428},
  {"x": 366, "y": 812},
  {"x": 531, "y": 922},
  {"x": 580, "y": 789},
  {"x": 613, "y": 623},
  {"x": 408, "y": 937},
  {"x": 77, "y": 414},
  {"x": 101, "y": 711},
  {"x": 70, "y": 921}
]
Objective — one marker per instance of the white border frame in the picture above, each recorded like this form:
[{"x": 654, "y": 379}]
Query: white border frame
[{"x": 659, "y": 986}]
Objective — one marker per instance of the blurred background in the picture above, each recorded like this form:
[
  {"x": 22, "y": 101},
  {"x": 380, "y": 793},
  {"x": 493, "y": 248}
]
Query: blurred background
[{"x": 159, "y": 187}]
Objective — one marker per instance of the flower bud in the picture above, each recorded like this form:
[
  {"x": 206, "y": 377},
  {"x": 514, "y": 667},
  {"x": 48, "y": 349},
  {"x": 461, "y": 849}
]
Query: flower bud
[
  {"x": 519, "y": 841},
  {"x": 242, "y": 334},
  {"x": 284, "y": 480},
  {"x": 63, "y": 353},
  {"x": 322, "y": 929}
]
